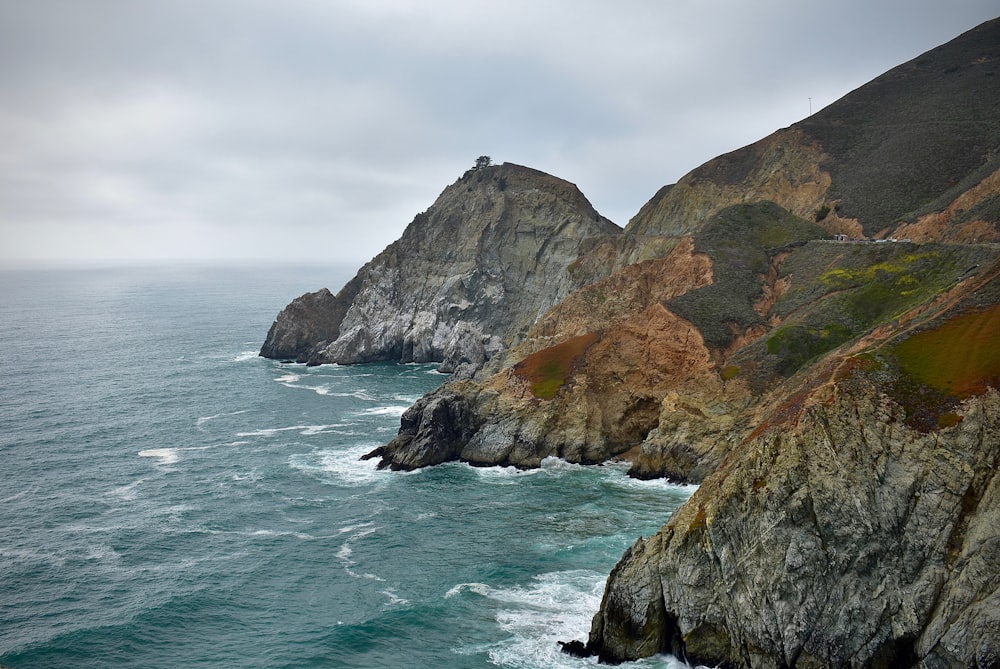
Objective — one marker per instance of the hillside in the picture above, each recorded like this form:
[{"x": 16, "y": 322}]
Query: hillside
[
  {"x": 912, "y": 154},
  {"x": 837, "y": 399}
]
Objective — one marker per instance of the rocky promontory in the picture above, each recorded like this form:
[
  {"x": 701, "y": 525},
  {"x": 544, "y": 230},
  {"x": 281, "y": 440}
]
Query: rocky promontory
[
  {"x": 808, "y": 326},
  {"x": 856, "y": 525},
  {"x": 463, "y": 282}
]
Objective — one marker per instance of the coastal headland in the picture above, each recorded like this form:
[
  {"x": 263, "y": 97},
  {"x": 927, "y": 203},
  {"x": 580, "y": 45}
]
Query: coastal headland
[{"x": 837, "y": 402}]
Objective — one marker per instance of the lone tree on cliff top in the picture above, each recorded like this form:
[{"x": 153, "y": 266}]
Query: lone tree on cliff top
[{"x": 482, "y": 161}]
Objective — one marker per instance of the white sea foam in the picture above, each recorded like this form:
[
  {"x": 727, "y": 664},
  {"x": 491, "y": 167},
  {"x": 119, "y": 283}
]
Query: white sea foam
[
  {"x": 167, "y": 456},
  {"x": 283, "y": 533},
  {"x": 343, "y": 464},
  {"x": 243, "y": 356},
  {"x": 385, "y": 411},
  {"x": 555, "y": 607},
  {"x": 553, "y": 464},
  {"x": 204, "y": 419},
  {"x": 128, "y": 492},
  {"x": 304, "y": 430},
  {"x": 347, "y": 550},
  {"x": 394, "y": 599},
  {"x": 502, "y": 475}
]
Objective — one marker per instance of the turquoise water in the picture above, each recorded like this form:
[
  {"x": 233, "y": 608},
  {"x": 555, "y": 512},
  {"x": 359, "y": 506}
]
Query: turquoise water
[{"x": 169, "y": 499}]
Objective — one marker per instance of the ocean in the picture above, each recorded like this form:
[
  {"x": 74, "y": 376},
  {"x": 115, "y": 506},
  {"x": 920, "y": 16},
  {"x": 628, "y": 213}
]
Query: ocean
[{"x": 170, "y": 499}]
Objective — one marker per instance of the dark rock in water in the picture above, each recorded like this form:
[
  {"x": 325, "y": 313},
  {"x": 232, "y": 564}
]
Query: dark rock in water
[
  {"x": 575, "y": 648},
  {"x": 309, "y": 322},
  {"x": 432, "y": 431},
  {"x": 300, "y": 326}
]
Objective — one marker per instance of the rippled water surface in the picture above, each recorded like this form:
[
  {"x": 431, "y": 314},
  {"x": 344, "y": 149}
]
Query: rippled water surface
[{"x": 169, "y": 499}]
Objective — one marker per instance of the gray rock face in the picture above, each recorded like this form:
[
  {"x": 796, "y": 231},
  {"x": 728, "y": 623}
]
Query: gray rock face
[
  {"x": 464, "y": 281},
  {"x": 309, "y": 320},
  {"x": 849, "y": 540},
  {"x": 434, "y": 430}
]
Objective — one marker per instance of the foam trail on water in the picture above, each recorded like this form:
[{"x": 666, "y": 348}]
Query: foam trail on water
[
  {"x": 204, "y": 419},
  {"x": 346, "y": 551},
  {"x": 167, "y": 456},
  {"x": 385, "y": 411},
  {"x": 304, "y": 430},
  {"x": 127, "y": 492}
]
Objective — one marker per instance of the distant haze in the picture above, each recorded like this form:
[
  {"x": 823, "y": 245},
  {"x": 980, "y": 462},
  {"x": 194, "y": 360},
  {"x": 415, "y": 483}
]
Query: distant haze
[{"x": 314, "y": 131}]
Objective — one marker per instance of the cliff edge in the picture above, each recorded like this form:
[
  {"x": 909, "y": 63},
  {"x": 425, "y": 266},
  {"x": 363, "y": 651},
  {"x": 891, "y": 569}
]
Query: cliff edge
[
  {"x": 462, "y": 283},
  {"x": 856, "y": 525},
  {"x": 809, "y": 326}
]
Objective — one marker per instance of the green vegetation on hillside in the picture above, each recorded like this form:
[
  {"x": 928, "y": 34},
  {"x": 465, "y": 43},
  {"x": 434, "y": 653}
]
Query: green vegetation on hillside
[
  {"x": 929, "y": 372},
  {"x": 740, "y": 240},
  {"x": 840, "y": 291},
  {"x": 960, "y": 358},
  {"x": 548, "y": 370}
]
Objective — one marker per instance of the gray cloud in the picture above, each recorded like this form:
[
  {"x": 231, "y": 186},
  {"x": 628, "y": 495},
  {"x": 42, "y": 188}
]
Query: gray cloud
[{"x": 316, "y": 130}]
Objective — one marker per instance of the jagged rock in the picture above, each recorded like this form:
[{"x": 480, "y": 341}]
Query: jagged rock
[
  {"x": 856, "y": 526},
  {"x": 850, "y": 540},
  {"x": 309, "y": 320},
  {"x": 464, "y": 281},
  {"x": 432, "y": 431},
  {"x": 583, "y": 395},
  {"x": 848, "y": 512}
]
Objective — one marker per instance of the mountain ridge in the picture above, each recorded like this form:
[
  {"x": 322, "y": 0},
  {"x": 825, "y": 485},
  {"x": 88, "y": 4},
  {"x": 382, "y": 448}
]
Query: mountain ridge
[{"x": 724, "y": 336}]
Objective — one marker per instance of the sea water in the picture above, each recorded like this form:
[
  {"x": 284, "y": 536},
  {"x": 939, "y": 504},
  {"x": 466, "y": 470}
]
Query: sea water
[{"x": 170, "y": 499}]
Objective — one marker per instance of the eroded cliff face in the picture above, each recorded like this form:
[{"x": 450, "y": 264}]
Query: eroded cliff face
[
  {"x": 846, "y": 539},
  {"x": 838, "y": 400},
  {"x": 856, "y": 525},
  {"x": 589, "y": 381},
  {"x": 465, "y": 280},
  {"x": 784, "y": 168},
  {"x": 614, "y": 370}
]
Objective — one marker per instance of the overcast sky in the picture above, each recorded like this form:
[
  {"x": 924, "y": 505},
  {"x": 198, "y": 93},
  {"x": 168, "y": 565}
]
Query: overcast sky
[{"x": 316, "y": 129}]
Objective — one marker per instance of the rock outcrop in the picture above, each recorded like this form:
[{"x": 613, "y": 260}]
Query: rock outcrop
[
  {"x": 613, "y": 365},
  {"x": 464, "y": 282},
  {"x": 838, "y": 400},
  {"x": 857, "y": 525},
  {"x": 308, "y": 323}
]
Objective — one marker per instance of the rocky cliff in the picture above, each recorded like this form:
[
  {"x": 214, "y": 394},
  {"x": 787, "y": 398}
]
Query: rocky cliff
[
  {"x": 837, "y": 400},
  {"x": 856, "y": 525},
  {"x": 465, "y": 280}
]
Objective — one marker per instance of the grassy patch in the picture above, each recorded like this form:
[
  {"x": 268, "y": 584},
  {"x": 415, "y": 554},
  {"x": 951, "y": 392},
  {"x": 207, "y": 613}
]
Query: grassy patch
[
  {"x": 740, "y": 240},
  {"x": 959, "y": 358},
  {"x": 849, "y": 289},
  {"x": 937, "y": 368},
  {"x": 548, "y": 370},
  {"x": 797, "y": 344}
]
